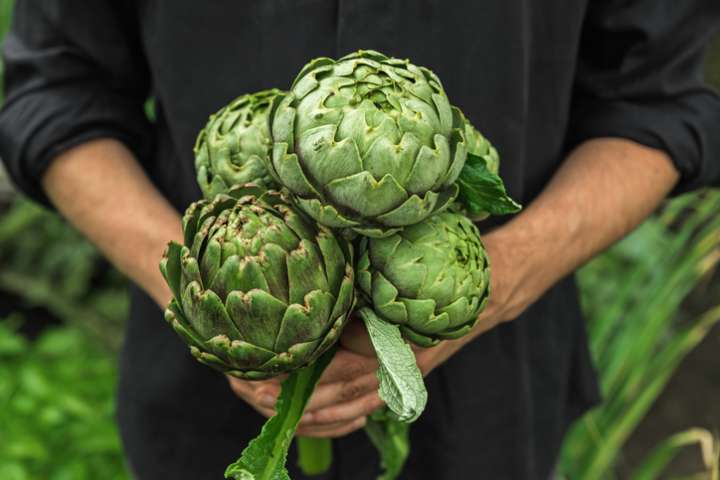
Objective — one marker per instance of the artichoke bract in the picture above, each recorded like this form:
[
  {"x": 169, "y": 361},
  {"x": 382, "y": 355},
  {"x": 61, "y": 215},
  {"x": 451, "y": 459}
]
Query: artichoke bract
[
  {"x": 431, "y": 279},
  {"x": 367, "y": 142},
  {"x": 260, "y": 289},
  {"x": 478, "y": 145},
  {"x": 233, "y": 147}
]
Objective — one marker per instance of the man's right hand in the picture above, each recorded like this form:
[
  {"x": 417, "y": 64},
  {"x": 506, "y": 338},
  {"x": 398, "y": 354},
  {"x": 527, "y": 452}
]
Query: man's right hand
[{"x": 346, "y": 393}]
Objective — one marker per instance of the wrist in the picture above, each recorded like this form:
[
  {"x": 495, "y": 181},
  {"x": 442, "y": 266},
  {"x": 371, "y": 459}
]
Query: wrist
[{"x": 512, "y": 263}]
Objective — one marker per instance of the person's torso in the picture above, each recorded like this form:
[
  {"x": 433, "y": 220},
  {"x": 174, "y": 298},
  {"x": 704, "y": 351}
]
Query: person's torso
[{"x": 508, "y": 65}]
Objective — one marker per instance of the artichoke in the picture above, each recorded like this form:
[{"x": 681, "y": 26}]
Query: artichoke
[
  {"x": 259, "y": 288},
  {"x": 431, "y": 279},
  {"x": 479, "y": 146},
  {"x": 233, "y": 147},
  {"x": 367, "y": 142}
]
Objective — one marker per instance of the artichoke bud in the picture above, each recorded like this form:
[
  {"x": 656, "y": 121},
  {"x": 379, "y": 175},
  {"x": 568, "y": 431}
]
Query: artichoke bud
[
  {"x": 233, "y": 147},
  {"x": 431, "y": 279},
  {"x": 479, "y": 146},
  {"x": 259, "y": 288},
  {"x": 367, "y": 143}
]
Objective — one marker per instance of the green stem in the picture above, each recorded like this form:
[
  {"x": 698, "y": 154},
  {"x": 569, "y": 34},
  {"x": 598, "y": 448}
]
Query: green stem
[{"x": 314, "y": 455}]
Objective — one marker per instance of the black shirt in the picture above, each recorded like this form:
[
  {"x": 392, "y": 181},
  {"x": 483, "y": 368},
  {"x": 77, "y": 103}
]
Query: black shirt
[{"x": 536, "y": 78}]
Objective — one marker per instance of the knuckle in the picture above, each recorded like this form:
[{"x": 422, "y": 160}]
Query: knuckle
[
  {"x": 350, "y": 390},
  {"x": 328, "y": 416},
  {"x": 355, "y": 369}
]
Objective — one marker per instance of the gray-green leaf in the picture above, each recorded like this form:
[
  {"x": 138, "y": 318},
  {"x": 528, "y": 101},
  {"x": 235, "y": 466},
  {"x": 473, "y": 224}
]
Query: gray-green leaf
[{"x": 401, "y": 383}]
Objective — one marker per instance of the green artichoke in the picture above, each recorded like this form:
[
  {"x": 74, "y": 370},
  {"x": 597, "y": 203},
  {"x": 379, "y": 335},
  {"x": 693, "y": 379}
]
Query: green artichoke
[
  {"x": 259, "y": 288},
  {"x": 431, "y": 279},
  {"x": 367, "y": 142},
  {"x": 233, "y": 147},
  {"x": 479, "y": 146}
]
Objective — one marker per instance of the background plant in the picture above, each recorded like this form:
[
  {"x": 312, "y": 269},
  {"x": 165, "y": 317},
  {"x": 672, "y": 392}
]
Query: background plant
[{"x": 632, "y": 296}]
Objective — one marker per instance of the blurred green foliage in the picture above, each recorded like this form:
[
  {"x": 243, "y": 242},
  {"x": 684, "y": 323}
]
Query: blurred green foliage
[
  {"x": 57, "y": 401},
  {"x": 56, "y": 407},
  {"x": 633, "y": 297},
  {"x": 45, "y": 262}
]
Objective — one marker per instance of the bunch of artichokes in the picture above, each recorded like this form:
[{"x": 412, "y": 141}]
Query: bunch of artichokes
[{"x": 361, "y": 156}]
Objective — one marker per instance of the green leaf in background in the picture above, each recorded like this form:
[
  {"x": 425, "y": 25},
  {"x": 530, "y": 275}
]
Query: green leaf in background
[
  {"x": 46, "y": 263},
  {"x": 401, "y": 383},
  {"x": 264, "y": 458},
  {"x": 482, "y": 191},
  {"x": 57, "y": 419},
  {"x": 636, "y": 336},
  {"x": 654, "y": 465}
]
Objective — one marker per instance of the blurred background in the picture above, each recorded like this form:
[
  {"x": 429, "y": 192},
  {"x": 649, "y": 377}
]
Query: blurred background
[{"x": 652, "y": 304}]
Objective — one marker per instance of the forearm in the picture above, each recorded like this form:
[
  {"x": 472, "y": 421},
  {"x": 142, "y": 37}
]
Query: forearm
[
  {"x": 102, "y": 190},
  {"x": 604, "y": 189}
]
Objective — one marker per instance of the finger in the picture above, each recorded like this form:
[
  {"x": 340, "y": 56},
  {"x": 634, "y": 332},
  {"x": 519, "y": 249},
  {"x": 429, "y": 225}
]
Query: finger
[
  {"x": 334, "y": 432},
  {"x": 267, "y": 395},
  {"x": 342, "y": 392},
  {"x": 345, "y": 365},
  {"x": 262, "y": 398},
  {"x": 344, "y": 412},
  {"x": 272, "y": 381},
  {"x": 241, "y": 388},
  {"x": 265, "y": 412}
]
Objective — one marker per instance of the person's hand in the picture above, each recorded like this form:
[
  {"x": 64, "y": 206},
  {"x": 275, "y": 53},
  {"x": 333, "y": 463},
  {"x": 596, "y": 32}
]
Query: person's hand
[
  {"x": 259, "y": 394},
  {"x": 346, "y": 392}
]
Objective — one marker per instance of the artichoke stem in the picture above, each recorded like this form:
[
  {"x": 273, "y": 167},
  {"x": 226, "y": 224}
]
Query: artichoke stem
[{"x": 314, "y": 455}]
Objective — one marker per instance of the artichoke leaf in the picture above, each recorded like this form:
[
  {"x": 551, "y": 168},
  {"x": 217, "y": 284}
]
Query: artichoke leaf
[
  {"x": 171, "y": 268},
  {"x": 325, "y": 214},
  {"x": 385, "y": 298},
  {"x": 324, "y": 159},
  {"x": 305, "y": 321},
  {"x": 287, "y": 167},
  {"x": 255, "y": 314},
  {"x": 430, "y": 166},
  {"x": 346, "y": 295},
  {"x": 416, "y": 209},
  {"x": 483, "y": 191},
  {"x": 425, "y": 320},
  {"x": 333, "y": 259},
  {"x": 401, "y": 383},
  {"x": 459, "y": 153},
  {"x": 391, "y": 438},
  {"x": 363, "y": 194},
  {"x": 418, "y": 338},
  {"x": 305, "y": 272},
  {"x": 175, "y": 317}
]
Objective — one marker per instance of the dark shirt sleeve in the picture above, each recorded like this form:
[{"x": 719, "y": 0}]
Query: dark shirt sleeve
[
  {"x": 640, "y": 76},
  {"x": 74, "y": 71}
]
